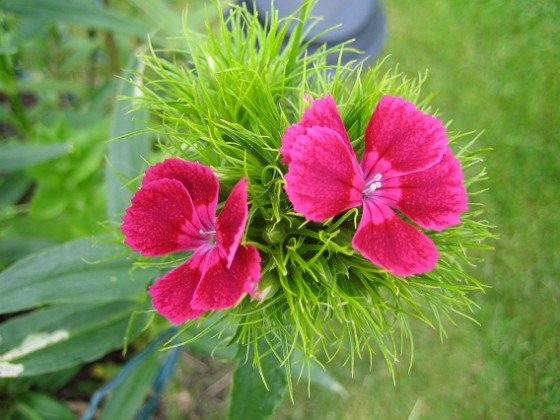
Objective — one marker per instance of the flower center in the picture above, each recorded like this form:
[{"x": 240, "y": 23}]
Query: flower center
[
  {"x": 209, "y": 236},
  {"x": 207, "y": 232},
  {"x": 372, "y": 185}
]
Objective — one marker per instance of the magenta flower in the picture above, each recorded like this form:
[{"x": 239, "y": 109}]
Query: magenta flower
[
  {"x": 406, "y": 166},
  {"x": 175, "y": 210}
]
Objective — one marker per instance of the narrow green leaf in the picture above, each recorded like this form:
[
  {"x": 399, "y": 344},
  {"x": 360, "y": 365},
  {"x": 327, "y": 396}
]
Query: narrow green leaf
[
  {"x": 126, "y": 156},
  {"x": 127, "y": 398},
  {"x": 14, "y": 157},
  {"x": 318, "y": 376},
  {"x": 62, "y": 336},
  {"x": 69, "y": 273},
  {"x": 250, "y": 398},
  {"x": 78, "y": 12}
]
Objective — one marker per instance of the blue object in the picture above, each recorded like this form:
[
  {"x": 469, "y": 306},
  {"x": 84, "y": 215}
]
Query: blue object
[
  {"x": 161, "y": 379},
  {"x": 361, "y": 20}
]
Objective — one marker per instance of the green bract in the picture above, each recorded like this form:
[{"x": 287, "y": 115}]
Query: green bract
[{"x": 225, "y": 100}]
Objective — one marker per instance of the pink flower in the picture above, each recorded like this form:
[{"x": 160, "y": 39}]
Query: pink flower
[
  {"x": 406, "y": 166},
  {"x": 175, "y": 210}
]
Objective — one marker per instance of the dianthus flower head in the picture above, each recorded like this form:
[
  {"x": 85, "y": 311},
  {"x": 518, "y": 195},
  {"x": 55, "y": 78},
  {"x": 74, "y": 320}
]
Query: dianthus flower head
[
  {"x": 406, "y": 166},
  {"x": 175, "y": 210}
]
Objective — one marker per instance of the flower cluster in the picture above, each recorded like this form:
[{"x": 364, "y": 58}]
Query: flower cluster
[{"x": 406, "y": 169}]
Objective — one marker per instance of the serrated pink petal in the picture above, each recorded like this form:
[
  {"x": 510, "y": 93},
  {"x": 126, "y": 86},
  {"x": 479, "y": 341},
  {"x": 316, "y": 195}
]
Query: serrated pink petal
[
  {"x": 199, "y": 180},
  {"x": 387, "y": 241},
  {"x": 172, "y": 294},
  {"x": 162, "y": 219},
  {"x": 434, "y": 198},
  {"x": 231, "y": 221},
  {"x": 402, "y": 139},
  {"x": 324, "y": 177},
  {"x": 221, "y": 287},
  {"x": 323, "y": 113}
]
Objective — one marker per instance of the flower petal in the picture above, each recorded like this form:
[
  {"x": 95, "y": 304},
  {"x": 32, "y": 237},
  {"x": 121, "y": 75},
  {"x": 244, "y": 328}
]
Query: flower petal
[
  {"x": 436, "y": 197},
  {"x": 199, "y": 180},
  {"x": 231, "y": 221},
  {"x": 384, "y": 239},
  {"x": 161, "y": 219},
  {"x": 172, "y": 294},
  {"x": 402, "y": 139},
  {"x": 222, "y": 287},
  {"x": 324, "y": 178},
  {"x": 323, "y": 113}
]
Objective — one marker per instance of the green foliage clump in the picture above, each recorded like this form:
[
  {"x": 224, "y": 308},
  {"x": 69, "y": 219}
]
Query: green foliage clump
[{"x": 225, "y": 100}]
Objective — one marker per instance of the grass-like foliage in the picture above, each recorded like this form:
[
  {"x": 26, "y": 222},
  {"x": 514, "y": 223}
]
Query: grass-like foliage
[{"x": 225, "y": 101}]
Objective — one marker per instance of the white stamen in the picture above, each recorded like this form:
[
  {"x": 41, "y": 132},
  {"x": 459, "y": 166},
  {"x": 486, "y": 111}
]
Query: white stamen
[{"x": 372, "y": 185}]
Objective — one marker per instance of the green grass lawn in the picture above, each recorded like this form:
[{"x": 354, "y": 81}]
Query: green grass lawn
[{"x": 495, "y": 66}]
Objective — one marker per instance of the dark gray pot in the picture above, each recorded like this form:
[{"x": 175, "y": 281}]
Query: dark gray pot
[{"x": 362, "y": 20}]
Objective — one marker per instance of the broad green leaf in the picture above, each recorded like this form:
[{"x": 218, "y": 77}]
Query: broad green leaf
[
  {"x": 250, "y": 398},
  {"x": 126, "y": 400},
  {"x": 62, "y": 336},
  {"x": 77, "y": 12},
  {"x": 12, "y": 249},
  {"x": 45, "y": 406},
  {"x": 54, "y": 381},
  {"x": 126, "y": 156},
  {"x": 14, "y": 157},
  {"x": 70, "y": 273}
]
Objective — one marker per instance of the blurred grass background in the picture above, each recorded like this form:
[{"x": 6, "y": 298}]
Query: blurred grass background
[{"x": 495, "y": 66}]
